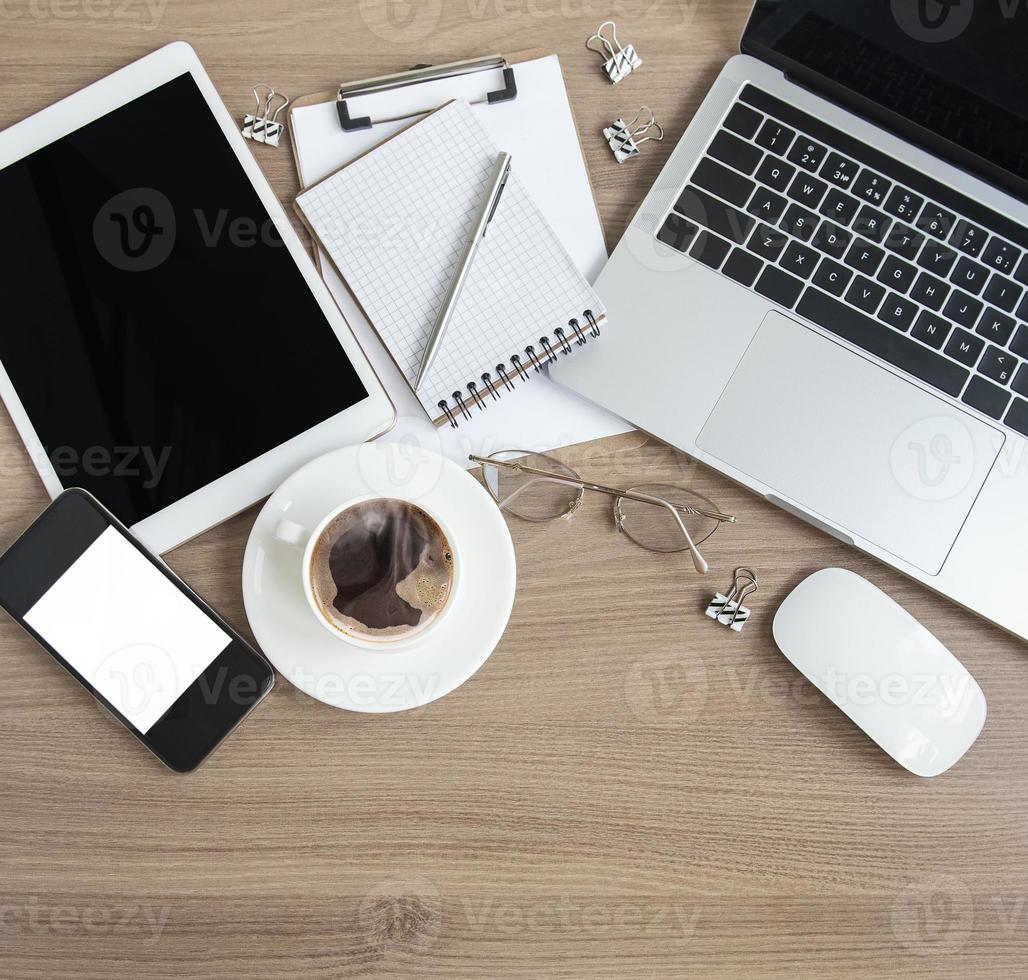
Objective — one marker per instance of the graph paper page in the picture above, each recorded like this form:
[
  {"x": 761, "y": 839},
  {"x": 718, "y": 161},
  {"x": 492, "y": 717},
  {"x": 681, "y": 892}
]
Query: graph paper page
[{"x": 395, "y": 223}]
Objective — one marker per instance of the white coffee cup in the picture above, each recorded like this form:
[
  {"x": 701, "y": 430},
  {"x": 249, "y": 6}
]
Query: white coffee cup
[{"x": 295, "y": 534}]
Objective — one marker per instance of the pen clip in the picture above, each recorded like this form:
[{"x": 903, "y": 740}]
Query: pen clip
[{"x": 499, "y": 194}]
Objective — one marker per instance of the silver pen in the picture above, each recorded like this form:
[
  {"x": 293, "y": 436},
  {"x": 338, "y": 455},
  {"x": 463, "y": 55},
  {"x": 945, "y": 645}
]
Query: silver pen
[{"x": 497, "y": 182}]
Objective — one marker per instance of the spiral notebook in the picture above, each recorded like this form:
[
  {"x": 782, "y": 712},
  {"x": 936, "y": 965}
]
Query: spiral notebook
[{"x": 394, "y": 223}]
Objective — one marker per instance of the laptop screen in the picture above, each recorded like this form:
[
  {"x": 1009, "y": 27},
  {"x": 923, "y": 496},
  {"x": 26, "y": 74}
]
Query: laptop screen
[{"x": 948, "y": 74}]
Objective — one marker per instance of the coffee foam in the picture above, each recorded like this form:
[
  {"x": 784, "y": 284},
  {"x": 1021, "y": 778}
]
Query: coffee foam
[{"x": 381, "y": 570}]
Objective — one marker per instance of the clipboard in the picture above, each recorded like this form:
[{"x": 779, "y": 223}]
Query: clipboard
[
  {"x": 501, "y": 348},
  {"x": 418, "y": 75},
  {"x": 538, "y": 127}
]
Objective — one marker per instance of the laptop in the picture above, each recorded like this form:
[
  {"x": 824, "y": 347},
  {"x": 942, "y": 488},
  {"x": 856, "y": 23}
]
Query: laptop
[{"x": 824, "y": 296}]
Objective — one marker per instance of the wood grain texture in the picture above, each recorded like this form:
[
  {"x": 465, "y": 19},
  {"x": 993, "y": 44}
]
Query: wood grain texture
[{"x": 624, "y": 789}]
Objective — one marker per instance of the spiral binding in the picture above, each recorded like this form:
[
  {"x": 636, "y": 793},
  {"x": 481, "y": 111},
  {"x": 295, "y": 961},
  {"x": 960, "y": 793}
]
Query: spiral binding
[{"x": 493, "y": 388}]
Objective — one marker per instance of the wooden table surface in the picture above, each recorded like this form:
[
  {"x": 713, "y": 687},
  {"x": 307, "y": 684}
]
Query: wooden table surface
[{"x": 623, "y": 789}]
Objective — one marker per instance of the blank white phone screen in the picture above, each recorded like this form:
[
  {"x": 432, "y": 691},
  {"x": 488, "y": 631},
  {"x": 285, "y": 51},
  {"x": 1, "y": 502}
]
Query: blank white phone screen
[{"x": 127, "y": 629}]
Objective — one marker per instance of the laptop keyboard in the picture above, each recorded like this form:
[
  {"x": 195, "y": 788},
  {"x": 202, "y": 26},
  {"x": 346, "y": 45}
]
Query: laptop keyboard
[{"x": 874, "y": 252}]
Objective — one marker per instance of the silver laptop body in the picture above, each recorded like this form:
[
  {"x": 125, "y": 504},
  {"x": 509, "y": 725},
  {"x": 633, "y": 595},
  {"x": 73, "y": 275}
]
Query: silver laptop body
[{"x": 815, "y": 393}]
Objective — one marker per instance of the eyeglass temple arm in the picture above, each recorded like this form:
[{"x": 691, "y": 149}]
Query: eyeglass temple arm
[
  {"x": 699, "y": 562},
  {"x": 609, "y": 491}
]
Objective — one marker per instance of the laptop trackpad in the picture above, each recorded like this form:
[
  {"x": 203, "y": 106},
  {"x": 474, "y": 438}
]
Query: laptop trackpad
[{"x": 850, "y": 442}]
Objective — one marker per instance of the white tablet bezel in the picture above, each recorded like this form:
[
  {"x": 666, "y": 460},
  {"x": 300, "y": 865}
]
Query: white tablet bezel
[{"x": 239, "y": 488}]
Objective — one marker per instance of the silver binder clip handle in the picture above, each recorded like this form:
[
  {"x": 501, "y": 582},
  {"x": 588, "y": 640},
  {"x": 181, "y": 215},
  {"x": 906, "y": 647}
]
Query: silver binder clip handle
[
  {"x": 618, "y": 62},
  {"x": 728, "y": 610},
  {"x": 262, "y": 125},
  {"x": 624, "y": 139}
]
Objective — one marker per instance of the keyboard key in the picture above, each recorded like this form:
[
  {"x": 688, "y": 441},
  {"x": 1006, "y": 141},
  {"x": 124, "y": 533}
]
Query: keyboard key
[
  {"x": 677, "y": 232},
  {"x": 1003, "y": 293},
  {"x": 872, "y": 224},
  {"x": 865, "y": 295},
  {"x": 775, "y": 137},
  {"x": 1020, "y": 382},
  {"x": 743, "y": 120},
  {"x": 832, "y": 277},
  {"x": 1017, "y": 417},
  {"x": 775, "y": 173},
  {"x": 839, "y": 207},
  {"x": 766, "y": 204},
  {"x": 800, "y": 260},
  {"x": 779, "y": 286},
  {"x": 871, "y": 186},
  {"x": 864, "y": 257},
  {"x": 963, "y": 308},
  {"x": 965, "y": 347},
  {"x": 768, "y": 242},
  {"x": 995, "y": 326},
  {"x": 1022, "y": 309},
  {"x": 832, "y": 239},
  {"x": 839, "y": 170},
  {"x": 897, "y": 312},
  {"x": 903, "y": 204},
  {"x": 968, "y": 238},
  {"x": 742, "y": 267},
  {"x": 937, "y": 258},
  {"x": 807, "y": 190},
  {"x": 1019, "y": 345},
  {"x": 936, "y": 221},
  {"x": 970, "y": 275},
  {"x": 799, "y": 222},
  {"x": 1021, "y": 272},
  {"x": 929, "y": 291},
  {"x": 711, "y": 213},
  {"x": 997, "y": 364},
  {"x": 1001, "y": 255},
  {"x": 931, "y": 329},
  {"x": 808, "y": 154},
  {"x": 719, "y": 180},
  {"x": 903, "y": 240},
  {"x": 897, "y": 274},
  {"x": 986, "y": 397},
  {"x": 709, "y": 249},
  {"x": 735, "y": 152},
  {"x": 882, "y": 341}
]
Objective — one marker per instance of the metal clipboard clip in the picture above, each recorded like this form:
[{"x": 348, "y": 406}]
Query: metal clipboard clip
[
  {"x": 416, "y": 75},
  {"x": 618, "y": 62},
  {"x": 262, "y": 125}
]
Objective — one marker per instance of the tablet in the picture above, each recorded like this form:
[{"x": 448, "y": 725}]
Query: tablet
[{"x": 166, "y": 344}]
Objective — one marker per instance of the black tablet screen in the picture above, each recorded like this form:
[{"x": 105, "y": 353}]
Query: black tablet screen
[{"x": 154, "y": 326}]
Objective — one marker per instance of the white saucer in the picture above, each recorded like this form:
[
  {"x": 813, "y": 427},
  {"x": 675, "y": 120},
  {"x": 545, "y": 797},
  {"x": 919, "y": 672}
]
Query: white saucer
[{"x": 335, "y": 671}]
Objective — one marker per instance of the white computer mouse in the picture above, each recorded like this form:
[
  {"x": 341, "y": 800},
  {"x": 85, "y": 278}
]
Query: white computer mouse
[{"x": 881, "y": 667}]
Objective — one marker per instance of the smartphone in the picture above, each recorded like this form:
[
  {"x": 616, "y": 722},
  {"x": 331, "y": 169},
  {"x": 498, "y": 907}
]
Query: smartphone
[{"x": 132, "y": 633}]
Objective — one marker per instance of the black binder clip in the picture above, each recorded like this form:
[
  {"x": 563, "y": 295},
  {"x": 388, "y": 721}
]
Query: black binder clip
[
  {"x": 262, "y": 125},
  {"x": 618, "y": 62},
  {"x": 625, "y": 139},
  {"x": 728, "y": 610}
]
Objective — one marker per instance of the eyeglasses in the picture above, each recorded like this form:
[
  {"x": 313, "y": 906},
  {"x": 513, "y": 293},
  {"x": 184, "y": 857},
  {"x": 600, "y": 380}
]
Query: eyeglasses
[{"x": 657, "y": 517}]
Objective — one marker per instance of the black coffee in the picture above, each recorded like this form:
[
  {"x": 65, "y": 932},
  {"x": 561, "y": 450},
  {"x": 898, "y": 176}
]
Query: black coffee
[{"x": 382, "y": 570}]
